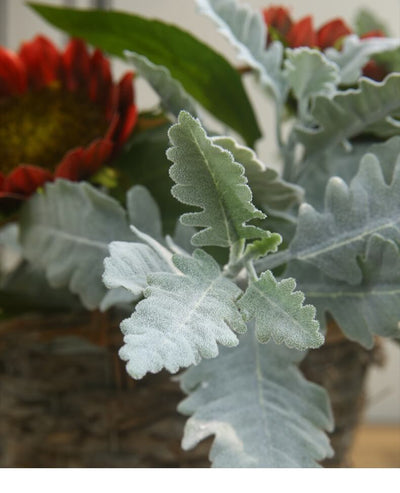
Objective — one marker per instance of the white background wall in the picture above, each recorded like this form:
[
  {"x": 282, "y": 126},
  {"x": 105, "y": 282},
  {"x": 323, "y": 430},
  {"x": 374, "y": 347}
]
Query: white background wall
[{"x": 21, "y": 24}]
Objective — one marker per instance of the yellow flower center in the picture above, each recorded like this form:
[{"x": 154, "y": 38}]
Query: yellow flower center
[{"x": 40, "y": 127}]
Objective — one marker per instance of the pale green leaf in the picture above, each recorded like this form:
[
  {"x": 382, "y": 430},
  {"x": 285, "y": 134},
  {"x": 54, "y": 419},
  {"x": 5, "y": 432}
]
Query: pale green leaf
[
  {"x": 366, "y": 309},
  {"x": 345, "y": 163},
  {"x": 246, "y": 30},
  {"x": 310, "y": 74},
  {"x": 271, "y": 193},
  {"x": 367, "y": 21},
  {"x": 356, "y": 52},
  {"x": 372, "y": 108},
  {"x": 258, "y": 405},
  {"x": 143, "y": 212},
  {"x": 279, "y": 313},
  {"x": 129, "y": 264},
  {"x": 207, "y": 177},
  {"x": 260, "y": 248},
  {"x": 332, "y": 240},
  {"x": 319, "y": 168},
  {"x": 66, "y": 231},
  {"x": 173, "y": 96},
  {"x": 182, "y": 319}
]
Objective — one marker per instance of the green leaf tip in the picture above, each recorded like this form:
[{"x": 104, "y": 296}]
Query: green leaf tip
[{"x": 208, "y": 177}]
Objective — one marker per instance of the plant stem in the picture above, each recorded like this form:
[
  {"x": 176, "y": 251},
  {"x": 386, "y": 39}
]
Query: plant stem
[
  {"x": 272, "y": 261},
  {"x": 251, "y": 271}
]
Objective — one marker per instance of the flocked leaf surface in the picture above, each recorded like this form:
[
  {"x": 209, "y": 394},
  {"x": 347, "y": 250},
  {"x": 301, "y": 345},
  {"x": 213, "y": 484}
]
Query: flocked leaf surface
[
  {"x": 332, "y": 240},
  {"x": 370, "y": 108},
  {"x": 319, "y": 168},
  {"x": 143, "y": 212},
  {"x": 129, "y": 265},
  {"x": 204, "y": 73},
  {"x": 246, "y": 30},
  {"x": 344, "y": 162},
  {"x": 258, "y": 405},
  {"x": 271, "y": 193},
  {"x": 356, "y": 52},
  {"x": 207, "y": 177},
  {"x": 173, "y": 96},
  {"x": 367, "y": 309},
  {"x": 279, "y": 313},
  {"x": 182, "y": 318},
  {"x": 309, "y": 74},
  {"x": 66, "y": 231}
]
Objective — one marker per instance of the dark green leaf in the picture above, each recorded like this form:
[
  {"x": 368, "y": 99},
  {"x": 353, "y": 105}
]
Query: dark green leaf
[{"x": 203, "y": 73}]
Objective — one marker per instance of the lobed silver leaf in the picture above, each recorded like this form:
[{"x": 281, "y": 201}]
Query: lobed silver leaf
[
  {"x": 182, "y": 318},
  {"x": 259, "y": 406},
  {"x": 208, "y": 177},
  {"x": 279, "y": 313}
]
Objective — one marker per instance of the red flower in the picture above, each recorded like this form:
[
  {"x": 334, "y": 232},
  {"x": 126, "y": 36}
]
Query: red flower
[
  {"x": 61, "y": 115},
  {"x": 277, "y": 18},
  {"x": 302, "y": 34},
  {"x": 331, "y": 32}
]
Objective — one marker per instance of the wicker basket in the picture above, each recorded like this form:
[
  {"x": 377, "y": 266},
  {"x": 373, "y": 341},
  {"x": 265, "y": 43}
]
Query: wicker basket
[{"x": 66, "y": 401}]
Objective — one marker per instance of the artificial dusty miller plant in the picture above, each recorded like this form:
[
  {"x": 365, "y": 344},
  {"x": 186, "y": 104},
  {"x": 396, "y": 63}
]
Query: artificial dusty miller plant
[{"x": 258, "y": 261}]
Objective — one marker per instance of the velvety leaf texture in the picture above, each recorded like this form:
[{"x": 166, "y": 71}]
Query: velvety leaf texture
[
  {"x": 333, "y": 240},
  {"x": 143, "y": 212},
  {"x": 356, "y": 52},
  {"x": 207, "y": 177},
  {"x": 310, "y": 75},
  {"x": 66, "y": 231},
  {"x": 279, "y": 313},
  {"x": 367, "y": 309},
  {"x": 182, "y": 318},
  {"x": 173, "y": 96},
  {"x": 371, "y": 108},
  {"x": 129, "y": 264},
  {"x": 258, "y": 405},
  {"x": 246, "y": 30},
  {"x": 271, "y": 193}
]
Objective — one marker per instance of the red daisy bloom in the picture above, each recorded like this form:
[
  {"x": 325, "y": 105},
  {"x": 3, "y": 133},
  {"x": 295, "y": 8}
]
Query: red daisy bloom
[
  {"x": 302, "y": 33},
  {"x": 61, "y": 115},
  {"x": 332, "y": 32}
]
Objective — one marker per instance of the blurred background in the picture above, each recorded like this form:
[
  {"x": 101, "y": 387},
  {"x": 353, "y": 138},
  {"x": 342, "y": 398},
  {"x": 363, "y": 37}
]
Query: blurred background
[{"x": 18, "y": 23}]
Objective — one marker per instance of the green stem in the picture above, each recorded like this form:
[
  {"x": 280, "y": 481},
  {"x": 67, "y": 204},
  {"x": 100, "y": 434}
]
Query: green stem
[
  {"x": 272, "y": 261},
  {"x": 251, "y": 271}
]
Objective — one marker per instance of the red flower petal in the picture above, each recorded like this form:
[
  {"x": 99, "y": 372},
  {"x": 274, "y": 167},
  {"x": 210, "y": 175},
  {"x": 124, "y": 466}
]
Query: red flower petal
[
  {"x": 302, "y": 34},
  {"x": 12, "y": 73},
  {"x": 377, "y": 33},
  {"x": 278, "y": 18},
  {"x": 1, "y": 180},
  {"x": 331, "y": 32},
  {"x": 126, "y": 125},
  {"x": 76, "y": 62},
  {"x": 80, "y": 163},
  {"x": 125, "y": 91},
  {"x": 374, "y": 71},
  {"x": 100, "y": 78},
  {"x": 42, "y": 61},
  {"x": 25, "y": 180}
]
